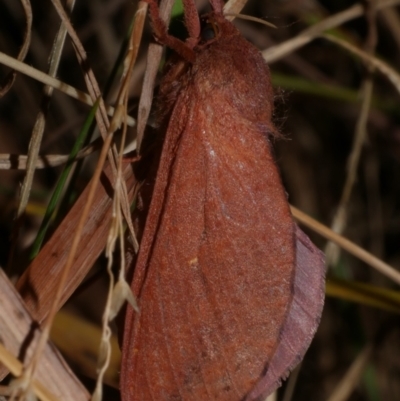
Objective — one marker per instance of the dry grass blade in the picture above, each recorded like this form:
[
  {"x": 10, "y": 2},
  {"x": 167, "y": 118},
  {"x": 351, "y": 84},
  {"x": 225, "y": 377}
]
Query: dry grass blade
[
  {"x": 153, "y": 61},
  {"x": 234, "y": 7},
  {"x": 38, "y": 283},
  {"x": 272, "y": 397},
  {"x": 277, "y": 52},
  {"x": 58, "y": 290},
  {"x": 19, "y": 162},
  {"x": 37, "y": 133},
  {"x": 339, "y": 220},
  {"x": 391, "y": 74},
  {"x": 16, "y": 328},
  {"x": 54, "y": 83},
  {"x": 24, "y": 49},
  {"x": 90, "y": 80},
  {"x": 250, "y": 18},
  {"x": 347, "y": 245},
  {"x": 103, "y": 124},
  {"x": 15, "y": 366},
  {"x": 291, "y": 383},
  {"x": 352, "y": 377}
]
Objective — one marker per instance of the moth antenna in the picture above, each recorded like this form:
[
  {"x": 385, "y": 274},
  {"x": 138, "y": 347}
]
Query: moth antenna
[
  {"x": 217, "y": 5},
  {"x": 192, "y": 20},
  {"x": 250, "y": 18}
]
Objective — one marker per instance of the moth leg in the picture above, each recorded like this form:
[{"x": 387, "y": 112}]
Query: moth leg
[{"x": 161, "y": 33}]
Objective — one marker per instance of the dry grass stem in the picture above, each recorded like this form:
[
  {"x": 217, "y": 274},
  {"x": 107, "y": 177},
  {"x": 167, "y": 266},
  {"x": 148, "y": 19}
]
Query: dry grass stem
[
  {"x": 107, "y": 134},
  {"x": 23, "y": 383},
  {"x": 115, "y": 297},
  {"x": 347, "y": 245},
  {"x": 391, "y": 74},
  {"x": 154, "y": 54},
  {"x": 360, "y": 136},
  {"x": 352, "y": 377},
  {"x": 272, "y": 397},
  {"x": 15, "y": 367},
  {"x": 104, "y": 357},
  {"x": 103, "y": 124},
  {"x": 291, "y": 383},
  {"x": 54, "y": 83},
  {"x": 234, "y": 7},
  {"x": 277, "y": 52},
  {"x": 9, "y": 81},
  {"x": 37, "y": 133},
  {"x": 116, "y": 230},
  {"x": 340, "y": 219},
  {"x": 250, "y": 18},
  {"x": 90, "y": 80},
  {"x": 19, "y": 162}
]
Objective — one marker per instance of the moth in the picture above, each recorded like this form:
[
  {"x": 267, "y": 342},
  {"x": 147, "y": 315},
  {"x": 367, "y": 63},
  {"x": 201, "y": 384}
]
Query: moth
[{"x": 230, "y": 289}]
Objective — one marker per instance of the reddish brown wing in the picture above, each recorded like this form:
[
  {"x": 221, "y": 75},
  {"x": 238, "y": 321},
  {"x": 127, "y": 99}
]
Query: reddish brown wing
[
  {"x": 302, "y": 320},
  {"x": 215, "y": 272}
]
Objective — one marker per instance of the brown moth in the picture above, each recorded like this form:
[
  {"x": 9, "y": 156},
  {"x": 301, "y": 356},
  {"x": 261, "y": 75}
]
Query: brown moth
[{"x": 230, "y": 290}]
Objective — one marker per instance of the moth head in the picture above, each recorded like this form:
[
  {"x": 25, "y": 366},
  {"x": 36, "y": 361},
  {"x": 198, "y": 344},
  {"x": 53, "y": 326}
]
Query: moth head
[
  {"x": 209, "y": 31},
  {"x": 214, "y": 26}
]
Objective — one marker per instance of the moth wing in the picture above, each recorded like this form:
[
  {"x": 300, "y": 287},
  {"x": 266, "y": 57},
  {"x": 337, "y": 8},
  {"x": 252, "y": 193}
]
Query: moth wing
[
  {"x": 215, "y": 271},
  {"x": 303, "y": 318}
]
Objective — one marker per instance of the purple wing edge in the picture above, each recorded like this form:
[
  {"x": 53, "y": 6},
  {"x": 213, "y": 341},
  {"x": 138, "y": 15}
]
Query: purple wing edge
[{"x": 303, "y": 317}]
